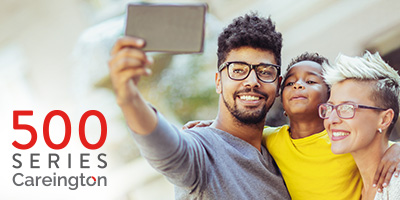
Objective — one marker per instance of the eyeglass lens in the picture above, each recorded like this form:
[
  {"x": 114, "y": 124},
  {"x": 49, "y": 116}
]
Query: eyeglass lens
[
  {"x": 240, "y": 71},
  {"x": 343, "y": 110}
]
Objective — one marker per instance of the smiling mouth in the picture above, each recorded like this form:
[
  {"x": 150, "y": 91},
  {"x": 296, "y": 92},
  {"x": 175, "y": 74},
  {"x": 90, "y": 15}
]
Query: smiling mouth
[
  {"x": 339, "y": 135},
  {"x": 249, "y": 98}
]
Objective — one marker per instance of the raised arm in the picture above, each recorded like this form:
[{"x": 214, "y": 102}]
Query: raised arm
[
  {"x": 178, "y": 157},
  {"x": 127, "y": 64}
]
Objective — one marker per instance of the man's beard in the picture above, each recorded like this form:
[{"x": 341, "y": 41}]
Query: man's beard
[{"x": 248, "y": 117}]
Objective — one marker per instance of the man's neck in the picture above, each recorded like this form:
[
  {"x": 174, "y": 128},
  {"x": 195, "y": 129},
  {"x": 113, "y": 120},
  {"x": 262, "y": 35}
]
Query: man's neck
[{"x": 251, "y": 133}]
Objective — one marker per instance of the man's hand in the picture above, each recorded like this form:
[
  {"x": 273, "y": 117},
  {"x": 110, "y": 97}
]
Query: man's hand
[
  {"x": 389, "y": 164},
  {"x": 127, "y": 64}
]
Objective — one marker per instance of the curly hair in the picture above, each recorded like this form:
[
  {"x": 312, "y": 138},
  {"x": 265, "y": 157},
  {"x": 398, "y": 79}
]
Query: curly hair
[
  {"x": 250, "y": 30},
  {"x": 315, "y": 57}
]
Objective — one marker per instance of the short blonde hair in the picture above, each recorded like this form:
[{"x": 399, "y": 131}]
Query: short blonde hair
[{"x": 370, "y": 68}]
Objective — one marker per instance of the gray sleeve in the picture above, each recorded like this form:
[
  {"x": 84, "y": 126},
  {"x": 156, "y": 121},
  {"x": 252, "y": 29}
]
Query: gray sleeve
[{"x": 177, "y": 155}]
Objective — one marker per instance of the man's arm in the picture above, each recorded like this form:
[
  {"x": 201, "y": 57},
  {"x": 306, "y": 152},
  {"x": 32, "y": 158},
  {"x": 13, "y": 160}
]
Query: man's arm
[
  {"x": 178, "y": 157},
  {"x": 127, "y": 64}
]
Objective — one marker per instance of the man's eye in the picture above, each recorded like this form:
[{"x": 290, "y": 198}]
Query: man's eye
[
  {"x": 238, "y": 71},
  {"x": 265, "y": 73}
]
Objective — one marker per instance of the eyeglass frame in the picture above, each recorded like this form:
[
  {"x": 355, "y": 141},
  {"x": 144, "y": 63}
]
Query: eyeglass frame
[
  {"x": 226, "y": 64},
  {"x": 354, "y": 112}
]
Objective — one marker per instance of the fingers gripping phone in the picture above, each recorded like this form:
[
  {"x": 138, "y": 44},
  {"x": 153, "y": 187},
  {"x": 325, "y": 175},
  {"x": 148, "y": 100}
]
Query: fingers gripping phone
[{"x": 174, "y": 28}]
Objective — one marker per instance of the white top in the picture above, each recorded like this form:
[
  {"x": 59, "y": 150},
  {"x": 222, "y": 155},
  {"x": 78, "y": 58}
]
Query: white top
[{"x": 392, "y": 191}]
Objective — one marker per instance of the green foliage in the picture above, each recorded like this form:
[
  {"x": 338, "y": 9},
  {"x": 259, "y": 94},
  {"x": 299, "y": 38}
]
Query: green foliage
[{"x": 188, "y": 87}]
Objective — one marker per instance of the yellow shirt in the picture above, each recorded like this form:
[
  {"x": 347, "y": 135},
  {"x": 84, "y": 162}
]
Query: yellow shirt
[{"x": 309, "y": 168}]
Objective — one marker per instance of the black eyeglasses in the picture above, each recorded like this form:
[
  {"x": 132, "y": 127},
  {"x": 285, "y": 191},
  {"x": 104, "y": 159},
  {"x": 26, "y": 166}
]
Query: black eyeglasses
[
  {"x": 344, "y": 110},
  {"x": 266, "y": 73}
]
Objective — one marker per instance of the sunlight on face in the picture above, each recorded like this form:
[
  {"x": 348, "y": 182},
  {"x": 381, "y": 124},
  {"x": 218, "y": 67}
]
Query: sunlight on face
[
  {"x": 248, "y": 100},
  {"x": 303, "y": 89},
  {"x": 352, "y": 135}
]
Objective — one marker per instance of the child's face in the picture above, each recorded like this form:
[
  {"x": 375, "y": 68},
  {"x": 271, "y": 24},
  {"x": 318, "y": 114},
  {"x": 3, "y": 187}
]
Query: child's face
[{"x": 304, "y": 89}]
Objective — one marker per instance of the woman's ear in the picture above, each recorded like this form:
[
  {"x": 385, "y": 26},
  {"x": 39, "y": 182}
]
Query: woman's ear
[
  {"x": 218, "y": 84},
  {"x": 386, "y": 119}
]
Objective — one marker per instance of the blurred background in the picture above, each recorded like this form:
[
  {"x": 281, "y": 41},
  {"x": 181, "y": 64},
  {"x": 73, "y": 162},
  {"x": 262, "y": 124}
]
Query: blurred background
[{"x": 53, "y": 55}]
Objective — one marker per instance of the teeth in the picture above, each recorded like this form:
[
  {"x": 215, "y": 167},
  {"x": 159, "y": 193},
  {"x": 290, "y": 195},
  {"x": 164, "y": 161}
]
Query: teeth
[
  {"x": 249, "y": 98},
  {"x": 337, "y": 134}
]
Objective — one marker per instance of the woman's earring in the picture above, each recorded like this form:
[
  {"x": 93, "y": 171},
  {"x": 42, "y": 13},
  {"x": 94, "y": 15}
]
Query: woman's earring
[
  {"x": 379, "y": 130},
  {"x": 284, "y": 113}
]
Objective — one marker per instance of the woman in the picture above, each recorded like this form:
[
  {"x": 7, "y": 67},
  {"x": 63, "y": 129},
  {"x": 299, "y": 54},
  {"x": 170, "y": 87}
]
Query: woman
[{"x": 361, "y": 113}]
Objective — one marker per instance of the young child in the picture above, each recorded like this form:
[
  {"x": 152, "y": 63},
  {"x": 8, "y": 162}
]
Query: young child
[{"x": 302, "y": 148}]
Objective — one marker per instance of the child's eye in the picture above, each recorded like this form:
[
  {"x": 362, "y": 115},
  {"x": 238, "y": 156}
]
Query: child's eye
[
  {"x": 310, "y": 82},
  {"x": 289, "y": 84}
]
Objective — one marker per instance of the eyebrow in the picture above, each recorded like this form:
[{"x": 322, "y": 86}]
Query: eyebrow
[{"x": 342, "y": 102}]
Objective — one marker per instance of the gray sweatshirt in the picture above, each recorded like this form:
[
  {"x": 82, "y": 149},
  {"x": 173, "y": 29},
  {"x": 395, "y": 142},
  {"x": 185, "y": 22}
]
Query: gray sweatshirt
[{"x": 208, "y": 163}]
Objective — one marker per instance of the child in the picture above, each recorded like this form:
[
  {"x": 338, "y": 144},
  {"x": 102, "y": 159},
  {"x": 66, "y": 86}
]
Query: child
[{"x": 302, "y": 148}]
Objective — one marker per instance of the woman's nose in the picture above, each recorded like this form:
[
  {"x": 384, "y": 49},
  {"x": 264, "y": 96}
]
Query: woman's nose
[{"x": 333, "y": 117}]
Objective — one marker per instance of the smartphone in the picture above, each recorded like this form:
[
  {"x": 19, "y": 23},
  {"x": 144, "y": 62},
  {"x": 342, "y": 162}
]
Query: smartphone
[{"x": 174, "y": 28}]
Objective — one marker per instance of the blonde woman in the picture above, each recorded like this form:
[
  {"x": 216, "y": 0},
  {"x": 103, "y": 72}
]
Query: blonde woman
[{"x": 360, "y": 115}]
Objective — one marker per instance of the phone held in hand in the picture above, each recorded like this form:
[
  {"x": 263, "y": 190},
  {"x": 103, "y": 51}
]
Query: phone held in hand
[{"x": 173, "y": 28}]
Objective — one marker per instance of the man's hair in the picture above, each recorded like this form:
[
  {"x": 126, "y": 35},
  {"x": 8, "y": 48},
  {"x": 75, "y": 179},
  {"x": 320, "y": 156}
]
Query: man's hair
[
  {"x": 253, "y": 31},
  {"x": 371, "y": 69},
  {"x": 315, "y": 57}
]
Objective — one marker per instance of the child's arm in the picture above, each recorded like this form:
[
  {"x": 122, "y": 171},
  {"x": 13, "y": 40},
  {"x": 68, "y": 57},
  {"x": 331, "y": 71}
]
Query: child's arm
[
  {"x": 389, "y": 165},
  {"x": 197, "y": 123}
]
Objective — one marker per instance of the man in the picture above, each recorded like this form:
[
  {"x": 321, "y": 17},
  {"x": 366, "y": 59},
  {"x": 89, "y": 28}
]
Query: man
[{"x": 225, "y": 160}]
